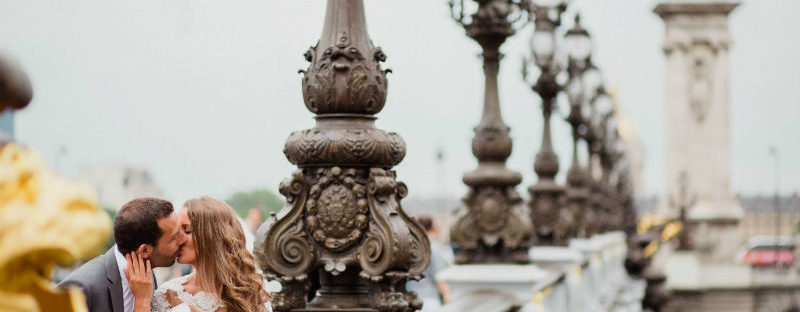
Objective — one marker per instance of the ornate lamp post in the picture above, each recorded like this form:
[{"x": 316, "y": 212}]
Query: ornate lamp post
[
  {"x": 609, "y": 158},
  {"x": 624, "y": 188},
  {"x": 630, "y": 215},
  {"x": 343, "y": 242},
  {"x": 551, "y": 221},
  {"x": 579, "y": 47},
  {"x": 601, "y": 107},
  {"x": 490, "y": 226}
]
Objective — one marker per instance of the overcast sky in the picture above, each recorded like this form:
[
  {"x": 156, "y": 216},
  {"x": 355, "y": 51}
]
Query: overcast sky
[{"x": 203, "y": 93}]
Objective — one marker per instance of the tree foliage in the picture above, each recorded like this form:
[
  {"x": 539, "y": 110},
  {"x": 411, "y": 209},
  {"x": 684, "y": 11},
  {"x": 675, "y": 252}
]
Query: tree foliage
[
  {"x": 112, "y": 214},
  {"x": 265, "y": 200}
]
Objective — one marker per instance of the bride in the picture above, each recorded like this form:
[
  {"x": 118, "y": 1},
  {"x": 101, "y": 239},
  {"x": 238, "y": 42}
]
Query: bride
[{"x": 225, "y": 278}]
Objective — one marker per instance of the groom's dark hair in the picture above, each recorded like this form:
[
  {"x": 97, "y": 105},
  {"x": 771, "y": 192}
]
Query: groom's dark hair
[{"x": 137, "y": 223}]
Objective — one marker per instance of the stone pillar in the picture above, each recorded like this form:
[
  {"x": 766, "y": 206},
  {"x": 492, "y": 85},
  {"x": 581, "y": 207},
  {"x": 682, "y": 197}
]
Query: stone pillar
[{"x": 698, "y": 117}]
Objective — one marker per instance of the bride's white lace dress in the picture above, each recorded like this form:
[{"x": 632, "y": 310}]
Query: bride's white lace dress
[{"x": 201, "y": 301}]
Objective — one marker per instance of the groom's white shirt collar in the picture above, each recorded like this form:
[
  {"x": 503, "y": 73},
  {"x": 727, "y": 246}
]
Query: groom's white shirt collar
[{"x": 127, "y": 294}]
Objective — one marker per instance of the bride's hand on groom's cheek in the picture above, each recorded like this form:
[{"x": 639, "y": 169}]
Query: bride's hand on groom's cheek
[
  {"x": 172, "y": 298},
  {"x": 140, "y": 277}
]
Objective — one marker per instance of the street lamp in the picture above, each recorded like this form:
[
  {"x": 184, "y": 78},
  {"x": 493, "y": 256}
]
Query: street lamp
[
  {"x": 491, "y": 227},
  {"x": 593, "y": 80},
  {"x": 625, "y": 191},
  {"x": 773, "y": 152},
  {"x": 611, "y": 160},
  {"x": 607, "y": 128},
  {"x": 578, "y": 45},
  {"x": 552, "y": 221},
  {"x": 601, "y": 105}
]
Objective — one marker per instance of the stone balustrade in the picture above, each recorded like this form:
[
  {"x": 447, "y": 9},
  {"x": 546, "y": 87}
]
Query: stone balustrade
[{"x": 588, "y": 275}]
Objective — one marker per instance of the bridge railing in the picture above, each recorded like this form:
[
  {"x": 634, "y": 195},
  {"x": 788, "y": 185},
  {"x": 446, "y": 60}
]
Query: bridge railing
[{"x": 588, "y": 275}]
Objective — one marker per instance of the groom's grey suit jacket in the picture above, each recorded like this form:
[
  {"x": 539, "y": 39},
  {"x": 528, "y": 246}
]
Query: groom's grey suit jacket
[{"x": 100, "y": 282}]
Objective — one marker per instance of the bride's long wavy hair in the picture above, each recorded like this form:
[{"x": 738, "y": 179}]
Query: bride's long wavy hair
[{"x": 223, "y": 262}]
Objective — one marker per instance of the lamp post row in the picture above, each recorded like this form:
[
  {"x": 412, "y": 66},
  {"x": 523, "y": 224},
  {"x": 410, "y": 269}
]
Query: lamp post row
[{"x": 491, "y": 227}]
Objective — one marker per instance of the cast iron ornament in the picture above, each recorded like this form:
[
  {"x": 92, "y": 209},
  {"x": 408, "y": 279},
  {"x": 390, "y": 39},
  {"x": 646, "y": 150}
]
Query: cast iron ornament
[{"x": 343, "y": 242}]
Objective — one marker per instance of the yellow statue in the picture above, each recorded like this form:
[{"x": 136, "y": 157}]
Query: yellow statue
[{"x": 44, "y": 220}]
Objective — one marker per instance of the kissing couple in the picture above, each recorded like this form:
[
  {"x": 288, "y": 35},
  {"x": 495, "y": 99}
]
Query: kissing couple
[{"x": 205, "y": 233}]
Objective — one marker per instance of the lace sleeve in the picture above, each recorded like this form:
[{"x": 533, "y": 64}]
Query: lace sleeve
[
  {"x": 160, "y": 302},
  {"x": 201, "y": 301}
]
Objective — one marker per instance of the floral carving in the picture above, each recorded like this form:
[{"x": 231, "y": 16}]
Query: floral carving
[
  {"x": 336, "y": 212},
  {"x": 344, "y": 147},
  {"x": 491, "y": 220},
  {"x": 341, "y": 80},
  {"x": 551, "y": 219}
]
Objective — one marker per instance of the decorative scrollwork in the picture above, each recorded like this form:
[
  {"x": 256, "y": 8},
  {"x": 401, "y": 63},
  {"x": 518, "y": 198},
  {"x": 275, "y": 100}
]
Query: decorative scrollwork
[
  {"x": 376, "y": 255},
  {"x": 394, "y": 240},
  {"x": 282, "y": 247}
]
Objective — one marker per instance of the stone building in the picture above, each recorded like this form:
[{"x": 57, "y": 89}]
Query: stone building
[
  {"x": 117, "y": 184},
  {"x": 762, "y": 218}
]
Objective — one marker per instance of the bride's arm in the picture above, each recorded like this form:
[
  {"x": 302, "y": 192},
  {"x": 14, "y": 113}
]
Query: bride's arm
[{"x": 140, "y": 279}]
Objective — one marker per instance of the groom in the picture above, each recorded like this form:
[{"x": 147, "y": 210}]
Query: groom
[{"x": 148, "y": 226}]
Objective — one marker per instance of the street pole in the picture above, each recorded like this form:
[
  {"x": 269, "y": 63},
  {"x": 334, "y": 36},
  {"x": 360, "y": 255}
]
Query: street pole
[{"x": 773, "y": 151}]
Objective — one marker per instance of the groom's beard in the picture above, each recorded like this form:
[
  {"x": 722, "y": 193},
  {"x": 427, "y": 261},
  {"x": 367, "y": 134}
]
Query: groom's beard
[{"x": 158, "y": 259}]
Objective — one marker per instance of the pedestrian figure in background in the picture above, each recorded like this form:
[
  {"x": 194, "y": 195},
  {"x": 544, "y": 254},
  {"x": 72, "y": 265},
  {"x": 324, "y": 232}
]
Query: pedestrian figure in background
[{"x": 432, "y": 292}]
